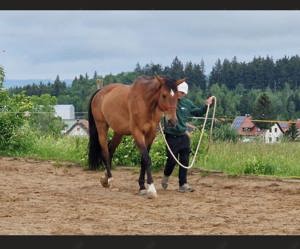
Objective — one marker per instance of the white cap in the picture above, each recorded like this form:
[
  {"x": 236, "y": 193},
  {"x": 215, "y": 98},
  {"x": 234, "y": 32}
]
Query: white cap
[{"x": 183, "y": 87}]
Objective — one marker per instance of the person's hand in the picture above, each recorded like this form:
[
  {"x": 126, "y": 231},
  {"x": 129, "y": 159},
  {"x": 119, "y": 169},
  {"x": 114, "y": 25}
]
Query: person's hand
[{"x": 210, "y": 100}]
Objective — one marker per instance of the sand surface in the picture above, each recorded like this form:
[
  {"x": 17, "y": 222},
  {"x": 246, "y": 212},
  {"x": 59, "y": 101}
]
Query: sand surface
[{"x": 38, "y": 198}]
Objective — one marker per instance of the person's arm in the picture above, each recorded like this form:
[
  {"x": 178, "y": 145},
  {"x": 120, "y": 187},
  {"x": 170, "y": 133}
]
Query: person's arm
[{"x": 200, "y": 111}]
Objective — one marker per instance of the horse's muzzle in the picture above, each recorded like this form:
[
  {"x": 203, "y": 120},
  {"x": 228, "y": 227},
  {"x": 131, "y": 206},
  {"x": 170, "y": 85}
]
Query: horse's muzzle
[{"x": 172, "y": 122}]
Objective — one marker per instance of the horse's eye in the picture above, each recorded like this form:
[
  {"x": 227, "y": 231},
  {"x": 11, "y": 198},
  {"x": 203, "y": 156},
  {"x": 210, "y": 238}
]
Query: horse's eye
[{"x": 164, "y": 96}]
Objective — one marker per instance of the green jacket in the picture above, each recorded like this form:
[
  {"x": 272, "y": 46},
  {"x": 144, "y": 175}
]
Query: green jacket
[{"x": 185, "y": 109}]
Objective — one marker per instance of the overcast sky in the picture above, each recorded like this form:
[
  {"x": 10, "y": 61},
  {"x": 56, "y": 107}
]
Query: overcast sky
[{"x": 42, "y": 44}]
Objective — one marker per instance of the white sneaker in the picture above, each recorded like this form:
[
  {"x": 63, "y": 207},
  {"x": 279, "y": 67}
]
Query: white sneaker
[
  {"x": 164, "y": 182},
  {"x": 185, "y": 188}
]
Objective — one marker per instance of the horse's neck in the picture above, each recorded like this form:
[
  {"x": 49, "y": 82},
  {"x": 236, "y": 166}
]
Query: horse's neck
[
  {"x": 153, "y": 110},
  {"x": 149, "y": 97}
]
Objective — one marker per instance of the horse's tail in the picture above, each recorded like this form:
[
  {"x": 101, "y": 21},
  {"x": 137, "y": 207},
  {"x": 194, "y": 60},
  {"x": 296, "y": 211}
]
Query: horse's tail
[{"x": 95, "y": 155}]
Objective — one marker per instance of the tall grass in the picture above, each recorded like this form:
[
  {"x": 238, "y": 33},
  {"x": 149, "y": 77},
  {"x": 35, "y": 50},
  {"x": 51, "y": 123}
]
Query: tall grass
[
  {"x": 68, "y": 149},
  {"x": 72, "y": 149},
  {"x": 280, "y": 159}
]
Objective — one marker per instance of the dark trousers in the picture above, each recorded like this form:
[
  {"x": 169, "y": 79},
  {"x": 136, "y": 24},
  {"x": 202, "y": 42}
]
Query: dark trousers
[{"x": 180, "y": 146}]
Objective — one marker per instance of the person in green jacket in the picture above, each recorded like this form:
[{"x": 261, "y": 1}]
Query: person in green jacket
[{"x": 178, "y": 139}]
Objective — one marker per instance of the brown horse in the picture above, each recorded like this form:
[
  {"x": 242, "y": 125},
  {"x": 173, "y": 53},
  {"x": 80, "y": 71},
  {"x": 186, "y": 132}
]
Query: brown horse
[{"x": 130, "y": 110}]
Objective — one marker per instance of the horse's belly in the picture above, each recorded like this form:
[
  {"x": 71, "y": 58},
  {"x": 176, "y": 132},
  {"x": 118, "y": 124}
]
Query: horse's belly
[
  {"x": 115, "y": 111},
  {"x": 119, "y": 127}
]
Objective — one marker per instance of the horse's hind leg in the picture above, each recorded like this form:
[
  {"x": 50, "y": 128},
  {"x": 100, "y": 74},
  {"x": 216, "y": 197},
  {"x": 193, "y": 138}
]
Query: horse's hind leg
[
  {"x": 113, "y": 144},
  {"x": 102, "y": 131}
]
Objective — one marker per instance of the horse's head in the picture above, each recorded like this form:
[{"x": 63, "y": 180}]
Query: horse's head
[{"x": 168, "y": 97}]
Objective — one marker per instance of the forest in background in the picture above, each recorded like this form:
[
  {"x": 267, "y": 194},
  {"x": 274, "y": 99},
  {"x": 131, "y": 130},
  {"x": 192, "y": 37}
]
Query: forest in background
[{"x": 264, "y": 88}]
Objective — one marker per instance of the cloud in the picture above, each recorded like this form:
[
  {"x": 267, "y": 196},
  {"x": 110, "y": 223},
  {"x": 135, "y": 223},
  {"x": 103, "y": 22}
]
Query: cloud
[{"x": 47, "y": 43}]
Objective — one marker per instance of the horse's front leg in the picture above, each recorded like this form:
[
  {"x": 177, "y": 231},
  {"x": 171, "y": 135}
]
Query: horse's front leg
[
  {"x": 145, "y": 167},
  {"x": 143, "y": 189}
]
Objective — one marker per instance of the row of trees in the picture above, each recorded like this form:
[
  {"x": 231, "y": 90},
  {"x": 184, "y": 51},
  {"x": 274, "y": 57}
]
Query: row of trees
[
  {"x": 262, "y": 88},
  {"x": 260, "y": 73}
]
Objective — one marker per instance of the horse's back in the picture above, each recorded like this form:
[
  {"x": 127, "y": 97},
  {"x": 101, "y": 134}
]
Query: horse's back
[{"x": 110, "y": 105}]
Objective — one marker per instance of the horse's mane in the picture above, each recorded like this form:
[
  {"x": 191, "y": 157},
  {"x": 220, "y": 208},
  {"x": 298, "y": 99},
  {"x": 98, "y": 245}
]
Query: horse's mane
[
  {"x": 151, "y": 89},
  {"x": 170, "y": 83}
]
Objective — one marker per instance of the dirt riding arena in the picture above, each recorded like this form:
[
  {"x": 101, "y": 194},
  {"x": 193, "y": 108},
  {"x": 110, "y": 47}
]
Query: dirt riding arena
[{"x": 46, "y": 198}]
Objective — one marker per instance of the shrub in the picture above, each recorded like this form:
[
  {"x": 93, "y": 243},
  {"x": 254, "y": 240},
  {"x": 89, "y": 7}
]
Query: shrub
[
  {"x": 22, "y": 140},
  {"x": 258, "y": 167},
  {"x": 126, "y": 153},
  {"x": 225, "y": 133},
  {"x": 12, "y": 109}
]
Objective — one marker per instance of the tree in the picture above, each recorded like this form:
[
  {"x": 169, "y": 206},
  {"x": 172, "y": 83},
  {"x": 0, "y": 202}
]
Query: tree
[
  {"x": 1, "y": 76},
  {"x": 43, "y": 118},
  {"x": 58, "y": 87},
  {"x": 12, "y": 117},
  {"x": 176, "y": 70},
  {"x": 195, "y": 75},
  {"x": 216, "y": 73},
  {"x": 292, "y": 133},
  {"x": 291, "y": 107},
  {"x": 138, "y": 69},
  {"x": 263, "y": 110},
  {"x": 95, "y": 75}
]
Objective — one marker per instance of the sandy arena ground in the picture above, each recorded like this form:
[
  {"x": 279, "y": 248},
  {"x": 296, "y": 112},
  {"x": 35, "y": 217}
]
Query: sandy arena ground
[{"x": 45, "y": 198}]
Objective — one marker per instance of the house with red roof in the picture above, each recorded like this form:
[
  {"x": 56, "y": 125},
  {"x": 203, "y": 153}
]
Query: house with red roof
[{"x": 245, "y": 127}]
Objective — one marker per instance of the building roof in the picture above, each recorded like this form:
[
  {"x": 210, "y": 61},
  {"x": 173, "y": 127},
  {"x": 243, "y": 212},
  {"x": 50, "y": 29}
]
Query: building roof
[
  {"x": 242, "y": 122},
  {"x": 284, "y": 126},
  {"x": 237, "y": 122},
  {"x": 83, "y": 123}
]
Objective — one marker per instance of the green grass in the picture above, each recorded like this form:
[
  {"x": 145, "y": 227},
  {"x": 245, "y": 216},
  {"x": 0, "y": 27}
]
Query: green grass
[
  {"x": 280, "y": 159},
  {"x": 68, "y": 149},
  {"x": 62, "y": 149}
]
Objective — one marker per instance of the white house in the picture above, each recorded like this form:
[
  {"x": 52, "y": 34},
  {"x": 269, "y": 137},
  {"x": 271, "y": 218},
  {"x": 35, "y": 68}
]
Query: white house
[
  {"x": 79, "y": 128},
  {"x": 273, "y": 134}
]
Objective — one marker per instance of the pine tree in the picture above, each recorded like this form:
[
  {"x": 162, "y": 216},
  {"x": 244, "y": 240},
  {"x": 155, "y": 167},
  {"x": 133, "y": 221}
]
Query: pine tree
[
  {"x": 95, "y": 75},
  {"x": 263, "y": 110},
  {"x": 176, "y": 70},
  {"x": 292, "y": 133},
  {"x": 216, "y": 74}
]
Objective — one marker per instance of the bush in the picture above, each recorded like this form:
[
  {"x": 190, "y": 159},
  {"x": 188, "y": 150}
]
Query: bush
[
  {"x": 22, "y": 140},
  {"x": 259, "y": 167},
  {"x": 12, "y": 117},
  {"x": 128, "y": 154},
  {"x": 158, "y": 153},
  {"x": 225, "y": 133}
]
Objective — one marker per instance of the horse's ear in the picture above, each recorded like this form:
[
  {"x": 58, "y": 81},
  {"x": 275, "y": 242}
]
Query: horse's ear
[
  {"x": 160, "y": 79},
  {"x": 180, "y": 81}
]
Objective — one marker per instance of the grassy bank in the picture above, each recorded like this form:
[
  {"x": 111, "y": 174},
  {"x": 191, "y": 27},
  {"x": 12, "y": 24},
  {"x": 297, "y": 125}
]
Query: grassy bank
[{"x": 281, "y": 159}]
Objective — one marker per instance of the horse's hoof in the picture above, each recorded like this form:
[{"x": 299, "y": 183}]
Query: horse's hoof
[
  {"x": 110, "y": 181},
  {"x": 143, "y": 192},
  {"x": 106, "y": 182},
  {"x": 151, "y": 195},
  {"x": 151, "y": 191}
]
